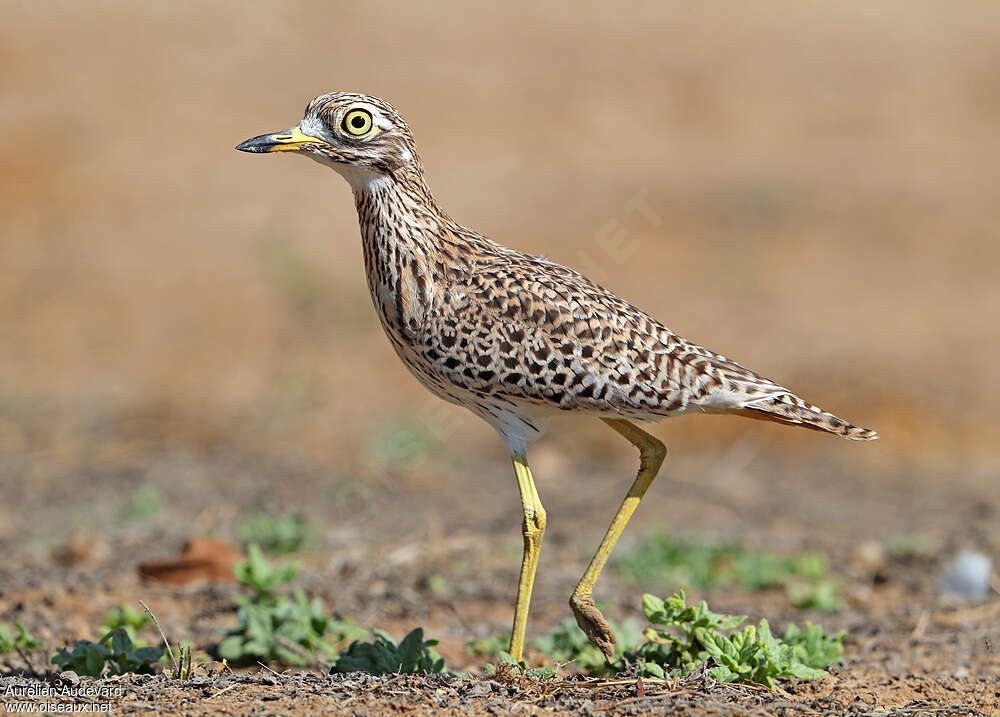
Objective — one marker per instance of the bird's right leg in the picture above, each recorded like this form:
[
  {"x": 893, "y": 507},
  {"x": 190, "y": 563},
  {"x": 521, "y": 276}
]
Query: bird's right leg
[{"x": 532, "y": 528}]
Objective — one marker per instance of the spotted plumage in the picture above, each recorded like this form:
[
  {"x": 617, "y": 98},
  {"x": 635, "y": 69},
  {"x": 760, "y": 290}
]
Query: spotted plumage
[{"x": 514, "y": 338}]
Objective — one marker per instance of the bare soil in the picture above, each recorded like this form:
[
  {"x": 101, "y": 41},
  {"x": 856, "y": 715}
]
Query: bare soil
[{"x": 909, "y": 647}]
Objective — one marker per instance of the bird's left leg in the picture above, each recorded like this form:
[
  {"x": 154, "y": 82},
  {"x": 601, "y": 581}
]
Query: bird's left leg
[
  {"x": 588, "y": 617},
  {"x": 532, "y": 528}
]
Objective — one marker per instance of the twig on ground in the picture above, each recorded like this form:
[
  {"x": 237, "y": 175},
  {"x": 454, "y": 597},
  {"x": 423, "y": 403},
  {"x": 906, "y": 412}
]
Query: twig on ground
[
  {"x": 162, "y": 634},
  {"x": 26, "y": 660},
  {"x": 276, "y": 674},
  {"x": 224, "y": 689},
  {"x": 294, "y": 647},
  {"x": 601, "y": 684}
]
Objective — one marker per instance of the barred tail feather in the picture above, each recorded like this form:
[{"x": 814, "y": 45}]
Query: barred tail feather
[{"x": 789, "y": 408}]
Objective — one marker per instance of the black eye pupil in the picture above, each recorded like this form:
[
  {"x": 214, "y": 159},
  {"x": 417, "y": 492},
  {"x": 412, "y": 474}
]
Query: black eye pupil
[{"x": 357, "y": 122}]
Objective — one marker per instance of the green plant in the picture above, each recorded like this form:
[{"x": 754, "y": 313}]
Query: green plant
[
  {"x": 260, "y": 576},
  {"x": 382, "y": 656},
  {"x": 687, "y": 635},
  {"x": 281, "y": 629},
  {"x": 183, "y": 670},
  {"x": 113, "y": 653},
  {"x": 19, "y": 639},
  {"x": 272, "y": 627},
  {"x": 706, "y": 562},
  {"x": 129, "y": 619},
  {"x": 492, "y": 645},
  {"x": 814, "y": 647},
  {"x": 815, "y": 595},
  {"x": 287, "y": 533},
  {"x": 145, "y": 502}
]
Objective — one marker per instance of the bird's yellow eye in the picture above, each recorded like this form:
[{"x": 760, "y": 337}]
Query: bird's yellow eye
[{"x": 357, "y": 122}]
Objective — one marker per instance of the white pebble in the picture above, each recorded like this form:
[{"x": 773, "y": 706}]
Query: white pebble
[{"x": 967, "y": 574}]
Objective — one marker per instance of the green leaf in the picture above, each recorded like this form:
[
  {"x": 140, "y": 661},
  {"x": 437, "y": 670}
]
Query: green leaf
[
  {"x": 722, "y": 674},
  {"x": 121, "y": 644},
  {"x": 93, "y": 661},
  {"x": 6, "y": 639},
  {"x": 716, "y": 644},
  {"x": 797, "y": 669},
  {"x": 148, "y": 654},
  {"x": 654, "y": 609},
  {"x": 22, "y": 640},
  {"x": 231, "y": 648},
  {"x": 290, "y": 657},
  {"x": 409, "y": 649},
  {"x": 651, "y": 669},
  {"x": 729, "y": 622}
]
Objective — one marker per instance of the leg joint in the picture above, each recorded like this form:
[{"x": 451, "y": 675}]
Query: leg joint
[
  {"x": 652, "y": 452},
  {"x": 534, "y": 521}
]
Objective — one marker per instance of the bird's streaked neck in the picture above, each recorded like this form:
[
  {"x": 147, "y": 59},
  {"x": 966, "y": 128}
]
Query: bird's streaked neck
[
  {"x": 401, "y": 199},
  {"x": 401, "y": 230}
]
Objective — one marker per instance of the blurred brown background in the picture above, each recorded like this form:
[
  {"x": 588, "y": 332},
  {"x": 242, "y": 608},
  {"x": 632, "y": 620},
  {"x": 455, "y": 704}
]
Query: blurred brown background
[{"x": 810, "y": 188}]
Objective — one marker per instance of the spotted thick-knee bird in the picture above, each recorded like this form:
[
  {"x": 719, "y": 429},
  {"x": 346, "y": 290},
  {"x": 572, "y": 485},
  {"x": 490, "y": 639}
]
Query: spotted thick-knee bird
[{"x": 517, "y": 338}]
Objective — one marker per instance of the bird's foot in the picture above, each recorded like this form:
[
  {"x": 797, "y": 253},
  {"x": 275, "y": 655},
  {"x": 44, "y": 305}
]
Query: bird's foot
[{"x": 593, "y": 623}]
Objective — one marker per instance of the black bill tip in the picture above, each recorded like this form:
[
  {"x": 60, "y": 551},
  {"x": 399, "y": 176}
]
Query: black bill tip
[{"x": 260, "y": 143}]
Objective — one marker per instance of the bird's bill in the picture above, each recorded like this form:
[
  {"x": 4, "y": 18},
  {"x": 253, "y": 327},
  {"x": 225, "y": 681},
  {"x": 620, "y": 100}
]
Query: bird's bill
[{"x": 291, "y": 140}]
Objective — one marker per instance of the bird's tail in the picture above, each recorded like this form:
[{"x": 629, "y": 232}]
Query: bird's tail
[{"x": 789, "y": 408}]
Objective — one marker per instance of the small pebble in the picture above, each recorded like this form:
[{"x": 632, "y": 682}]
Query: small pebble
[
  {"x": 967, "y": 575},
  {"x": 480, "y": 689}
]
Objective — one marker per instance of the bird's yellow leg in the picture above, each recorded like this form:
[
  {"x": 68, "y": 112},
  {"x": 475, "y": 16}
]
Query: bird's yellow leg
[
  {"x": 532, "y": 528},
  {"x": 588, "y": 617}
]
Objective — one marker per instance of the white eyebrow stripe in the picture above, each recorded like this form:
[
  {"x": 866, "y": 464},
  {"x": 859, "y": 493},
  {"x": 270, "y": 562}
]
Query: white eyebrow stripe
[
  {"x": 313, "y": 127},
  {"x": 378, "y": 119}
]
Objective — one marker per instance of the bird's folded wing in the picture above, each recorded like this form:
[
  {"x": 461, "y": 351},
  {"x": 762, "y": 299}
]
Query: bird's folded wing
[{"x": 527, "y": 328}]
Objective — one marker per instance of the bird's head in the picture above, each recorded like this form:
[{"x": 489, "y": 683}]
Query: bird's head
[{"x": 361, "y": 136}]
